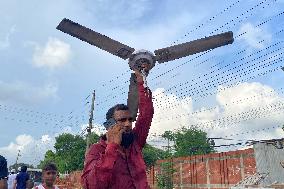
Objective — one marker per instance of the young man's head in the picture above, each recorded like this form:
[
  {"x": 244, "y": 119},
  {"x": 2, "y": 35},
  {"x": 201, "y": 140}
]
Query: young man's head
[
  {"x": 49, "y": 173},
  {"x": 121, "y": 114},
  {"x": 24, "y": 168}
]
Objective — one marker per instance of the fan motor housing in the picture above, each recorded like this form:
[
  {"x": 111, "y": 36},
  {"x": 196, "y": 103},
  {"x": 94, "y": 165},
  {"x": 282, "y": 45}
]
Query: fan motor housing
[{"x": 141, "y": 57}]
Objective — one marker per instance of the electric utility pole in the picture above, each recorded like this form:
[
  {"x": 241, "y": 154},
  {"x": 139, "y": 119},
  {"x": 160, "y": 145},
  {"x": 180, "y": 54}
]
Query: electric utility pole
[
  {"x": 16, "y": 165},
  {"x": 89, "y": 129}
]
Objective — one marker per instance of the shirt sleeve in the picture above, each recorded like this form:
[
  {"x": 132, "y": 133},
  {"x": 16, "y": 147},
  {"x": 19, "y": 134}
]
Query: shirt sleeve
[
  {"x": 98, "y": 166},
  {"x": 146, "y": 112}
]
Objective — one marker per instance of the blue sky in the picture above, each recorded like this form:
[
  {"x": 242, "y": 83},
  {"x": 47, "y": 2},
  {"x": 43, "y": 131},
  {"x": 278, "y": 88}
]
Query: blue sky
[{"x": 46, "y": 75}]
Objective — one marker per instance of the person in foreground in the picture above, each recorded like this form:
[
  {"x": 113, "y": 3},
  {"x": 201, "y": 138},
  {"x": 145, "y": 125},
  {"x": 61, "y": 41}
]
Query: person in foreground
[
  {"x": 11, "y": 179},
  {"x": 49, "y": 173},
  {"x": 116, "y": 161},
  {"x": 3, "y": 173},
  {"x": 22, "y": 178}
]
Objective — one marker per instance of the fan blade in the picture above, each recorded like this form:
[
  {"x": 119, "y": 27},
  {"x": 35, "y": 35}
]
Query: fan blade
[
  {"x": 193, "y": 47},
  {"x": 132, "y": 101},
  {"x": 94, "y": 38}
]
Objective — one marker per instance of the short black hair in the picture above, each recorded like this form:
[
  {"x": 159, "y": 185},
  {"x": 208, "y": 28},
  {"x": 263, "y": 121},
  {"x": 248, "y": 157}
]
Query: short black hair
[
  {"x": 49, "y": 166},
  {"x": 111, "y": 111},
  {"x": 3, "y": 167},
  {"x": 24, "y": 168}
]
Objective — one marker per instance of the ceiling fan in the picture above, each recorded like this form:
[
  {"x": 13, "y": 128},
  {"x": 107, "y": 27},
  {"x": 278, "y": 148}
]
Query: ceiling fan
[{"x": 136, "y": 59}]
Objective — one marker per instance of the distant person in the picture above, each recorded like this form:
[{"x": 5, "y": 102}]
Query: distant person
[
  {"x": 11, "y": 179},
  {"x": 22, "y": 178},
  {"x": 49, "y": 174},
  {"x": 3, "y": 173}
]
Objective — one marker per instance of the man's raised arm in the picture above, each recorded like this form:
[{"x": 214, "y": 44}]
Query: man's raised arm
[{"x": 146, "y": 112}]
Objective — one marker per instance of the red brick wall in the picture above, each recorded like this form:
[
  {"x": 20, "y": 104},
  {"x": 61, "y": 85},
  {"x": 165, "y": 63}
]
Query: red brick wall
[
  {"x": 73, "y": 181},
  {"x": 220, "y": 170},
  {"x": 217, "y": 170}
]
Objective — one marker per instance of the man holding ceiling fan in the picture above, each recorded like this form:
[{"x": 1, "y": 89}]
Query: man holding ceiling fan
[{"x": 116, "y": 161}]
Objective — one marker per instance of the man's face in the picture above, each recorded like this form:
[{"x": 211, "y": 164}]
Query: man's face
[
  {"x": 49, "y": 177},
  {"x": 123, "y": 119}
]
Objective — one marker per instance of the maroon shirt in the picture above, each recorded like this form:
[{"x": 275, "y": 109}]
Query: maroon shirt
[{"x": 107, "y": 168}]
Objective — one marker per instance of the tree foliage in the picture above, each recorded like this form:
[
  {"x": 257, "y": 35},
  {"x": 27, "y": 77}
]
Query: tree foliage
[
  {"x": 165, "y": 175},
  {"x": 152, "y": 154},
  {"x": 188, "y": 142},
  {"x": 69, "y": 152},
  {"x": 94, "y": 138},
  {"x": 16, "y": 166},
  {"x": 48, "y": 157},
  {"x": 70, "y": 149}
]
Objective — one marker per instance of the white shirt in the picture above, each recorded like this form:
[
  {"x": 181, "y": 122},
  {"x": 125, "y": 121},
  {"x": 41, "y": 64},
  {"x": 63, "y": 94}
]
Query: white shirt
[{"x": 11, "y": 180}]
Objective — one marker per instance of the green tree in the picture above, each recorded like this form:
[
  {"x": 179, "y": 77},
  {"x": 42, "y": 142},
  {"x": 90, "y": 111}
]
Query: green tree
[
  {"x": 69, "y": 152},
  {"x": 48, "y": 157},
  {"x": 165, "y": 175},
  {"x": 188, "y": 142},
  {"x": 94, "y": 138},
  {"x": 152, "y": 154},
  {"x": 16, "y": 166}
]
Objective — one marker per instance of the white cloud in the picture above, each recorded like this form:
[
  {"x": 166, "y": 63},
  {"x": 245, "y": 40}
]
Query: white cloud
[
  {"x": 97, "y": 128},
  {"x": 24, "y": 93},
  {"x": 265, "y": 95},
  {"x": 5, "y": 43},
  {"x": 31, "y": 150},
  {"x": 163, "y": 111},
  {"x": 54, "y": 54},
  {"x": 253, "y": 35},
  {"x": 45, "y": 138},
  {"x": 174, "y": 113},
  {"x": 258, "y": 95},
  {"x": 24, "y": 140},
  {"x": 117, "y": 13}
]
